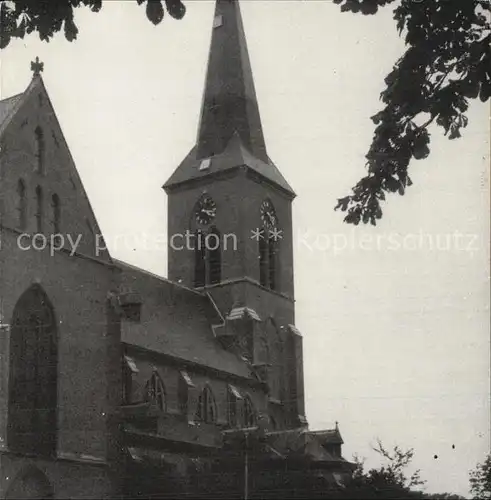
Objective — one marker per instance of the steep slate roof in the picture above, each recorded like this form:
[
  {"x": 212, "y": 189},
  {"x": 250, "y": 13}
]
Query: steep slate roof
[
  {"x": 235, "y": 155},
  {"x": 7, "y": 106},
  {"x": 176, "y": 321},
  {"x": 230, "y": 131},
  {"x": 301, "y": 442},
  {"x": 229, "y": 100},
  {"x": 330, "y": 436}
]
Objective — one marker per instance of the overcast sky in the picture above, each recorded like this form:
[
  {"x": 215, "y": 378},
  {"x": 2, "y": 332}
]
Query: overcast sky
[{"x": 395, "y": 318}]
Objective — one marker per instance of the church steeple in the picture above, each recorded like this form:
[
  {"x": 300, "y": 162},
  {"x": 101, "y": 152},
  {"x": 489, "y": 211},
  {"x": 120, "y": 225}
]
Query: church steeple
[
  {"x": 229, "y": 100},
  {"x": 230, "y": 133}
]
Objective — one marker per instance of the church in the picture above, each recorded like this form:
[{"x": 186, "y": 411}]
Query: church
[{"x": 118, "y": 383}]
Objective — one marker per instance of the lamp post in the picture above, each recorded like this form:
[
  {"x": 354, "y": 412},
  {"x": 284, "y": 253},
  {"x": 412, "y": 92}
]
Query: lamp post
[{"x": 246, "y": 469}]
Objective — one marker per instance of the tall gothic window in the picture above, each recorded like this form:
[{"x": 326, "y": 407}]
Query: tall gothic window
[
  {"x": 39, "y": 209},
  {"x": 206, "y": 411},
  {"x": 22, "y": 204},
  {"x": 263, "y": 261},
  {"x": 268, "y": 261},
  {"x": 207, "y": 250},
  {"x": 214, "y": 256},
  {"x": 268, "y": 246},
  {"x": 155, "y": 392},
  {"x": 32, "y": 410},
  {"x": 207, "y": 257},
  {"x": 272, "y": 249},
  {"x": 199, "y": 260},
  {"x": 40, "y": 149},
  {"x": 56, "y": 208}
]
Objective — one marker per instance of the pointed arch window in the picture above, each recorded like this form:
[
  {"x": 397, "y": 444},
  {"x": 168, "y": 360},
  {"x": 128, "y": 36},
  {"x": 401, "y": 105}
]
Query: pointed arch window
[
  {"x": 263, "y": 261},
  {"x": 155, "y": 391},
  {"x": 40, "y": 149},
  {"x": 199, "y": 260},
  {"x": 206, "y": 411},
  {"x": 272, "y": 261},
  {"x": 56, "y": 209},
  {"x": 22, "y": 204},
  {"x": 208, "y": 247},
  {"x": 268, "y": 246},
  {"x": 249, "y": 412},
  {"x": 39, "y": 209},
  {"x": 213, "y": 247},
  {"x": 33, "y": 375}
]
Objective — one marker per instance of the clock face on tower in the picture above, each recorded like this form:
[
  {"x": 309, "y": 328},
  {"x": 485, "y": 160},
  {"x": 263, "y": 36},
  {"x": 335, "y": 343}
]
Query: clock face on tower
[
  {"x": 205, "y": 210},
  {"x": 268, "y": 214}
]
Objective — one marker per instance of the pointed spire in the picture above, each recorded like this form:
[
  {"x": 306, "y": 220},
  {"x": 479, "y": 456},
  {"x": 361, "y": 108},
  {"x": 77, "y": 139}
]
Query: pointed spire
[{"x": 229, "y": 99}]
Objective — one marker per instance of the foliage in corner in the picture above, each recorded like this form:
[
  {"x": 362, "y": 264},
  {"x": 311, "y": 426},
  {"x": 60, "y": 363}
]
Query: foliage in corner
[
  {"x": 47, "y": 17},
  {"x": 391, "y": 480},
  {"x": 447, "y": 63},
  {"x": 480, "y": 480}
]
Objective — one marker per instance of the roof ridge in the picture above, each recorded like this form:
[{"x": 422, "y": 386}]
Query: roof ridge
[{"x": 121, "y": 264}]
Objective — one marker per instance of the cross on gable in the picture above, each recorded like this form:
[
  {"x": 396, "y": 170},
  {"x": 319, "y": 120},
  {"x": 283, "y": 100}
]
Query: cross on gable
[{"x": 37, "y": 66}]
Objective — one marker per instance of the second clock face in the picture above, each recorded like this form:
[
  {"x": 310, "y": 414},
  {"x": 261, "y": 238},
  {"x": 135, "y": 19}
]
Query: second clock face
[
  {"x": 268, "y": 214},
  {"x": 205, "y": 210}
]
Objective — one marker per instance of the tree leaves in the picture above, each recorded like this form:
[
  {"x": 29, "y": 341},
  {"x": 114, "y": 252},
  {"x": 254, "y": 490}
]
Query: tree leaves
[
  {"x": 366, "y": 7},
  {"x": 155, "y": 11},
  {"x": 447, "y": 62},
  {"x": 47, "y": 17},
  {"x": 480, "y": 479}
]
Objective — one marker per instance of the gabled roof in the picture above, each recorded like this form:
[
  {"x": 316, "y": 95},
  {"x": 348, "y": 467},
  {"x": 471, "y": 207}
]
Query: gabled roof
[
  {"x": 329, "y": 436},
  {"x": 241, "y": 312},
  {"x": 301, "y": 442},
  {"x": 7, "y": 106},
  {"x": 12, "y": 107},
  {"x": 234, "y": 156},
  {"x": 176, "y": 321}
]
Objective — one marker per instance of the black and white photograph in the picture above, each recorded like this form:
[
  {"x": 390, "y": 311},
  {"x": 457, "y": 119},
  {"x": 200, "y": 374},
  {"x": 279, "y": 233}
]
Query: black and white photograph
[{"x": 245, "y": 249}]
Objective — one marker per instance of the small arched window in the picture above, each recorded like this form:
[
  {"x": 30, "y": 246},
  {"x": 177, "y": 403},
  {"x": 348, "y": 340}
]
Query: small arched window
[
  {"x": 40, "y": 149},
  {"x": 206, "y": 411},
  {"x": 39, "y": 209},
  {"x": 249, "y": 413},
  {"x": 155, "y": 392},
  {"x": 22, "y": 204},
  {"x": 56, "y": 208}
]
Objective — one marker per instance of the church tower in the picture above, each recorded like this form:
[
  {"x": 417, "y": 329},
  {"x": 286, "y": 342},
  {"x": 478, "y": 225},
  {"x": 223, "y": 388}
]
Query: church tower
[{"x": 230, "y": 217}]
